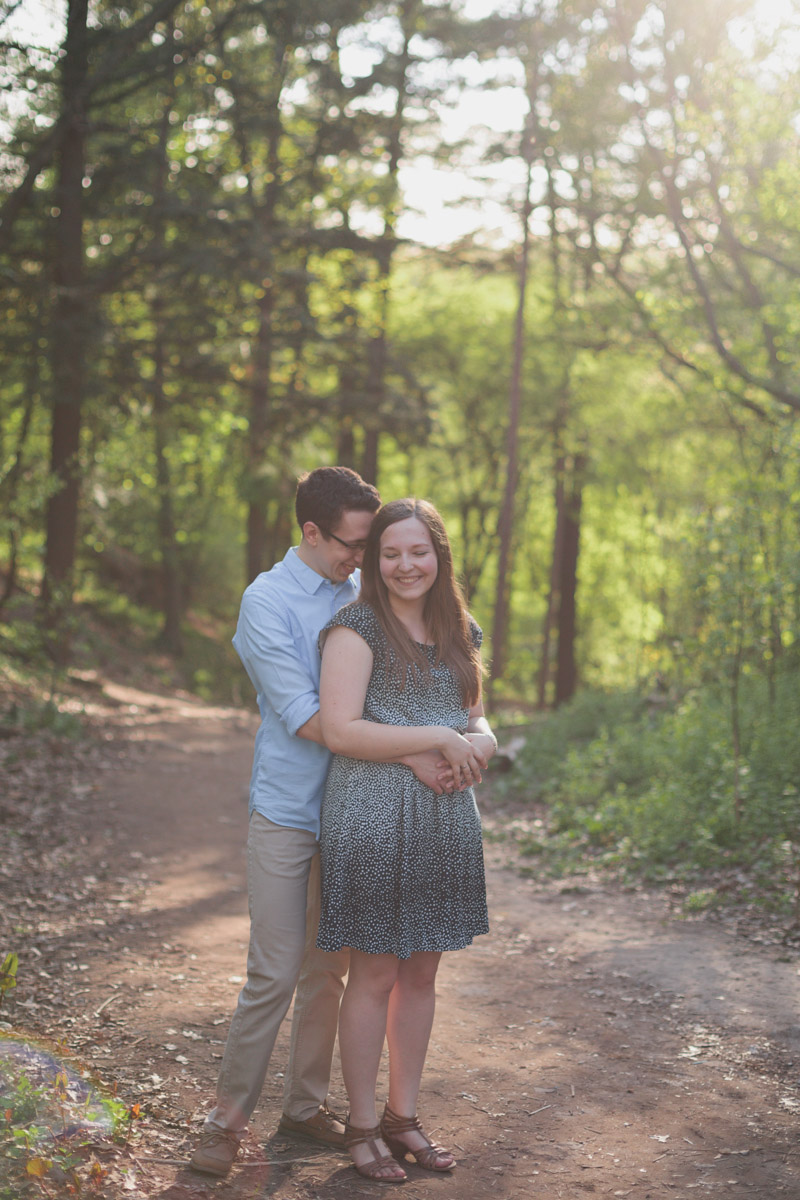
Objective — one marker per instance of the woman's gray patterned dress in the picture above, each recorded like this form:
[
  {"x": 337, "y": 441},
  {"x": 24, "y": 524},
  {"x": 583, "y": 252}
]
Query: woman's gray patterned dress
[{"x": 402, "y": 868}]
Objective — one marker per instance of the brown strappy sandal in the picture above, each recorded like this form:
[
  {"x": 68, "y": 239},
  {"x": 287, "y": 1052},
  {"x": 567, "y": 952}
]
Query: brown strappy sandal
[
  {"x": 353, "y": 1136},
  {"x": 427, "y": 1156}
]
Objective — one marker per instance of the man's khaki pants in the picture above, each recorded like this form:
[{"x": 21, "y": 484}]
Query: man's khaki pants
[{"x": 283, "y": 891}]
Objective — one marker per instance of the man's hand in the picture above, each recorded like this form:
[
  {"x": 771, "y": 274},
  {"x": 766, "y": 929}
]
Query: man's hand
[{"x": 432, "y": 770}]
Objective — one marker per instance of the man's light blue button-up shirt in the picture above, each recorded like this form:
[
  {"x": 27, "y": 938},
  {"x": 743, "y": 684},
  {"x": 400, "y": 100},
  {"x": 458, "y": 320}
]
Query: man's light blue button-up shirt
[{"x": 281, "y": 615}]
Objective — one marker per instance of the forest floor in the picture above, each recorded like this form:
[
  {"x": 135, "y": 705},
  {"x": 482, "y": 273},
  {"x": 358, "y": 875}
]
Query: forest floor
[{"x": 596, "y": 1042}]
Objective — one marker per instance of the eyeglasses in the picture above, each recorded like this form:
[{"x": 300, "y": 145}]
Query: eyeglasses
[{"x": 355, "y": 547}]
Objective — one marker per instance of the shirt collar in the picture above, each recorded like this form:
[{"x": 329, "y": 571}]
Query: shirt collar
[{"x": 309, "y": 579}]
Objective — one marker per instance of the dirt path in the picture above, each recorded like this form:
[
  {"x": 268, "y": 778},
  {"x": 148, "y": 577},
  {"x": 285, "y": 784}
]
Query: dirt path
[{"x": 590, "y": 1045}]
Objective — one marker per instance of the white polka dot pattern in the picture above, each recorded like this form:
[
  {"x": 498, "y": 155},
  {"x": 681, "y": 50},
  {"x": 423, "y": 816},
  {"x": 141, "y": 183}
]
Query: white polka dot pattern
[{"x": 402, "y": 868}]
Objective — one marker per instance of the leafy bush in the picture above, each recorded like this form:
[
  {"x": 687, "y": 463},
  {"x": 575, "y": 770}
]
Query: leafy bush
[
  {"x": 43, "y": 716},
  {"x": 555, "y": 736},
  {"x": 665, "y": 791}
]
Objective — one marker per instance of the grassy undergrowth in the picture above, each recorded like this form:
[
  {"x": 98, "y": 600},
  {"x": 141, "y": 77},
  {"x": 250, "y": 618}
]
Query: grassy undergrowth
[
  {"x": 659, "y": 791},
  {"x": 119, "y": 639}
]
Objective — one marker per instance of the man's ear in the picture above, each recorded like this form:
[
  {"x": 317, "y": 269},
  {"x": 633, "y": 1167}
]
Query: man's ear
[{"x": 311, "y": 533}]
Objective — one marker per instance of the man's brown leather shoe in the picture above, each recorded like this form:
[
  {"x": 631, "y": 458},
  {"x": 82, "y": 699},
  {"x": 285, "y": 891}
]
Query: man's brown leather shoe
[
  {"x": 216, "y": 1152},
  {"x": 324, "y": 1127}
]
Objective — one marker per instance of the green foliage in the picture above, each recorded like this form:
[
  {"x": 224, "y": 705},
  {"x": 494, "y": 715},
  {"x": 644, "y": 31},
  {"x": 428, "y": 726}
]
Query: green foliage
[
  {"x": 212, "y": 668},
  {"x": 571, "y": 728},
  {"x": 48, "y": 1135},
  {"x": 701, "y": 900},
  {"x": 453, "y": 324},
  {"x": 43, "y": 716},
  {"x": 662, "y": 792},
  {"x": 254, "y": 309},
  {"x": 21, "y": 1104}
]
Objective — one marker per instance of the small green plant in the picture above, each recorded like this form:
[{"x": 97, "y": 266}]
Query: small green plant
[
  {"x": 701, "y": 900},
  {"x": 21, "y": 1105}
]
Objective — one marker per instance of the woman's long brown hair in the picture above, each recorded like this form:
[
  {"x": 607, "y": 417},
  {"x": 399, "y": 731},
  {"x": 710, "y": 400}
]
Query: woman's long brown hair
[{"x": 445, "y": 612}]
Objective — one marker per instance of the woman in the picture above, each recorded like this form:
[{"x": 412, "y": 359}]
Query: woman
[{"x": 402, "y": 868}]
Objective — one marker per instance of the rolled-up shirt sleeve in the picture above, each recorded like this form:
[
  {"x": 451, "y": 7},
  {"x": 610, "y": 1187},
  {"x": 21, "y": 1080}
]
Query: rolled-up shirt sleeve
[{"x": 267, "y": 647}]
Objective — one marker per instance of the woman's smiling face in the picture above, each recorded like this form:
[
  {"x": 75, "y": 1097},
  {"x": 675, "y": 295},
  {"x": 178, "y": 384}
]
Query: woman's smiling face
[{"x": 407, "y": 559}]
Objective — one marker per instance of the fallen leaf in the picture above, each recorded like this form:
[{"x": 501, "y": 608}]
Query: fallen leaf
[{"x": 38, "y": 1167}]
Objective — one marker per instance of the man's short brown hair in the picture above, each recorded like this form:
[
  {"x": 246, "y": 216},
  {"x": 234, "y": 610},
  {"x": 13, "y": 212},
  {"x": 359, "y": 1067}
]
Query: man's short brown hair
[{"x": 324, "y": 495}]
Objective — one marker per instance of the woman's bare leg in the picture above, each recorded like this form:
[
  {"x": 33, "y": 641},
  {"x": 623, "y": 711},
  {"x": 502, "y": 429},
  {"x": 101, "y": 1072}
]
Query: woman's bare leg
[
  {"x": 362, "y": 1031},
  {"x": 408, "y": 1030}
]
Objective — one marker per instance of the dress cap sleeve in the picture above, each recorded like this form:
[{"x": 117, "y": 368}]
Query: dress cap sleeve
[
  {"x": 475, "y": 631},
  {"x": 361, "y": 618}
]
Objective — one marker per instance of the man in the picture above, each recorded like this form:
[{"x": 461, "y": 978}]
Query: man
[{"x": 281, "y": 615}]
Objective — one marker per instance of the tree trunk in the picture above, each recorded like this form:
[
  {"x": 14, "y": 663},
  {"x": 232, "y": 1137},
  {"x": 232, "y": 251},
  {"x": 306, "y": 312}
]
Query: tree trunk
[
  {"x": 68, "y": 334},
  {"x": 736, "y": 674},
  {"x": 505, "y": 525},
  {"x": 566, "y": 673},
  {"x": 369, "y": 462},
  {"x": 261, "y": 388},
  {"x": 171, "y": 599},
  {"x": 376, "y": 362},
  {"x": 8, "y": 491},
  {"x": 346, "y": 445},
  {"x": 377, "y": 354},
  {"x": 257, "y": 441},
  {"x": 553, "y": 602},
  {"x": 346, "y": 436},
  {"x": 10, "y": 582}
]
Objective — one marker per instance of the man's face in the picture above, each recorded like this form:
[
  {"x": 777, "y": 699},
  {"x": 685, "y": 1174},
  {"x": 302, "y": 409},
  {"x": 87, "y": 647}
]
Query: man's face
[{"x": 337, "y": 552}]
